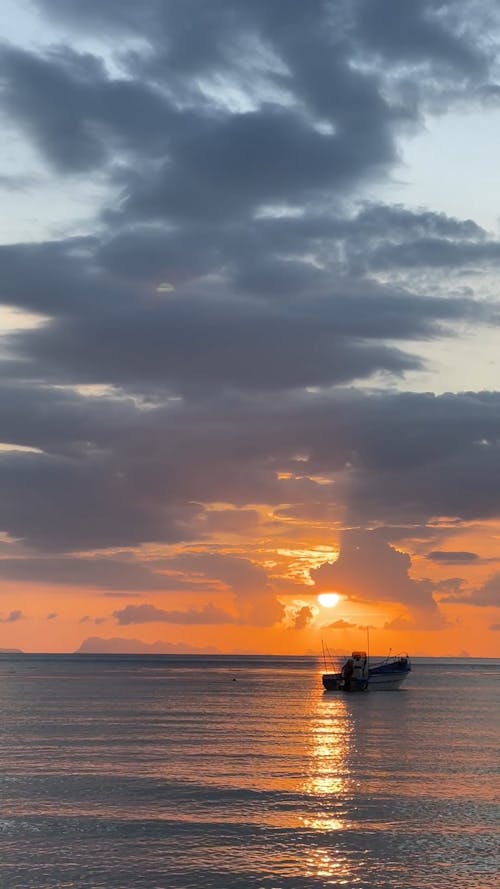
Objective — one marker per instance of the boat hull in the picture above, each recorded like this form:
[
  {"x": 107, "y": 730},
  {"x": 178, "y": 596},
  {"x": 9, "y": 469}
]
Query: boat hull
[
  {"x": 386, "y": 681},
  {"x": 384, "y": 677}
]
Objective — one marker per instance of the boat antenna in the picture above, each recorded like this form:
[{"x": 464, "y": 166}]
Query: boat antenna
[
  {"x": 368, "y": 645},
  {"x": 324, "y": 655}
]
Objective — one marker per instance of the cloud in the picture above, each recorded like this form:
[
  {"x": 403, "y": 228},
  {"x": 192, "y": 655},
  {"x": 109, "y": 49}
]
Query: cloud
[
  {"x": 140, "y": 614},
  {"x": 13, "y": 617},
  {"x": 339, "y": 625},
  {"x": 494, "y": 627},
  {"x": 197, "y": 364},
  {"x": 119, "y": 575},
  {"x": 391, "y": 458},
  {"x": 74, "y": 112},
  {"x": 332, "y": 331},
  {"x": 436, "y": 253},
  {"x": 397, "y": 475},
  {"x": 423, "y": 620},
  {"x": 86, "y": 619},
  {"x": 448, "y": 557},
  {"x": 72, "y": 504},
  {"x": 52, "y": 615},
  {"x": 450, "y": 585},
  {"x": 255, "y": 598},
  {"x": 414, "y": 33},
  {"x": 368, "y": 568},
  {"x": 230, "y": 521},
  {"x": 485, "y": 596},
  {"x": 303, "y": 617}
]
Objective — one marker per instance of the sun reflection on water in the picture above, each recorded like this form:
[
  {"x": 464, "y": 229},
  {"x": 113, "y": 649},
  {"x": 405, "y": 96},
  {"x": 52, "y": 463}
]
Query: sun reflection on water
[
  {"x": 331, "y": 740},
  {"x": 328, "y": 786},
  {"x": 321, "y": 863}
]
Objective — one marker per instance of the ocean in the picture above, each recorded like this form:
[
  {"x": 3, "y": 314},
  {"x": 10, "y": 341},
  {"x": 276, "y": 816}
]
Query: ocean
[{"x": 130, "y": 772}]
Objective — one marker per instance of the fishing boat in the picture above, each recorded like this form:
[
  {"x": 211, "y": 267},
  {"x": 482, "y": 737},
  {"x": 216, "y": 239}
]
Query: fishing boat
[{"x": 358, "y": 675}]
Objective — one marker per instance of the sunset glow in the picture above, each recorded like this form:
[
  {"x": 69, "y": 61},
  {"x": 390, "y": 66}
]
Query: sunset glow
[
  {"x": 328, "y": 600},
  {"x": 249, "y": 328}
]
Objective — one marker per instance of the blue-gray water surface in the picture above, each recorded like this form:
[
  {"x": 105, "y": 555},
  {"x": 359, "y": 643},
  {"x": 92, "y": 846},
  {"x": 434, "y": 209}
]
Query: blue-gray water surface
[{"x": 241, "y": 773}]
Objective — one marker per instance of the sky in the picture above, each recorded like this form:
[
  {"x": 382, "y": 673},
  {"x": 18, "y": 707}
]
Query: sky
[{"x": 250, "y": 326}]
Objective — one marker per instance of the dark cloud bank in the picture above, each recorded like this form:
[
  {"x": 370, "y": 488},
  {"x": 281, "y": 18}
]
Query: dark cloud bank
[{"x": 238, "y": 287}]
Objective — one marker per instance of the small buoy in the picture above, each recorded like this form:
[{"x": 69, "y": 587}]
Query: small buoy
[{"x": 234, "y": 680}]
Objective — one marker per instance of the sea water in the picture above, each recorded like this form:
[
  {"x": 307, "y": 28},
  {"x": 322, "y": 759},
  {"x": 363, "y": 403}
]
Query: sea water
[{"x": 241, "y": 773}]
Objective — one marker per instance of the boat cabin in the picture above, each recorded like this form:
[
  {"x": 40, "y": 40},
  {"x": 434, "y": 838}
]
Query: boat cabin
[{"x": 359, "y": 665}]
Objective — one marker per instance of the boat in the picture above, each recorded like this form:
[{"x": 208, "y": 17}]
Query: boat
[{"x": 358, "y": 675}]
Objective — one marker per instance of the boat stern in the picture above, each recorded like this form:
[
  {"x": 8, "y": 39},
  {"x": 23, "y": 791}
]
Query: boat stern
[{"x": 332, "y": 681}]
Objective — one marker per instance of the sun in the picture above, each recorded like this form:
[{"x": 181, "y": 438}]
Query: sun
[{"x": 329, "y": 600}]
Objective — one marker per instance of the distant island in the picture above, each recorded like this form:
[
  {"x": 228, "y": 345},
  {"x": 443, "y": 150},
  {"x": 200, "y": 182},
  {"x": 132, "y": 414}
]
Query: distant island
[
  {"x": 11, "y": 651},
  {"x": 118, "y": 645}
]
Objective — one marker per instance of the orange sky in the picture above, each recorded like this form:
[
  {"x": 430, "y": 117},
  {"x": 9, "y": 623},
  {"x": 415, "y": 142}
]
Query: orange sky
[{"x": 57, "y": 618}]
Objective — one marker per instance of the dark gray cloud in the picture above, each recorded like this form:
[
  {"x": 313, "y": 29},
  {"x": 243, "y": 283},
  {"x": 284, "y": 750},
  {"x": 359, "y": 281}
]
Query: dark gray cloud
[
  {"x": 294, "y": 69},
  {"x": 447, "y": 557},
  {"x": 70, "y": 504},
  {"x": 75, "y": 113},
  {"x": 430, "y": 488},
  {"x": 199, "y": 38},
  {"x": 215, "y": 163},
  {"x": 122, "y": 575},
  {"x": 238, "y": 346},
  {"x": 115, "y": 472},
  {"x": 421, "y": 32},
  {"x": 435, "y": 253},
  {"x": 334, "y": 331}
]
